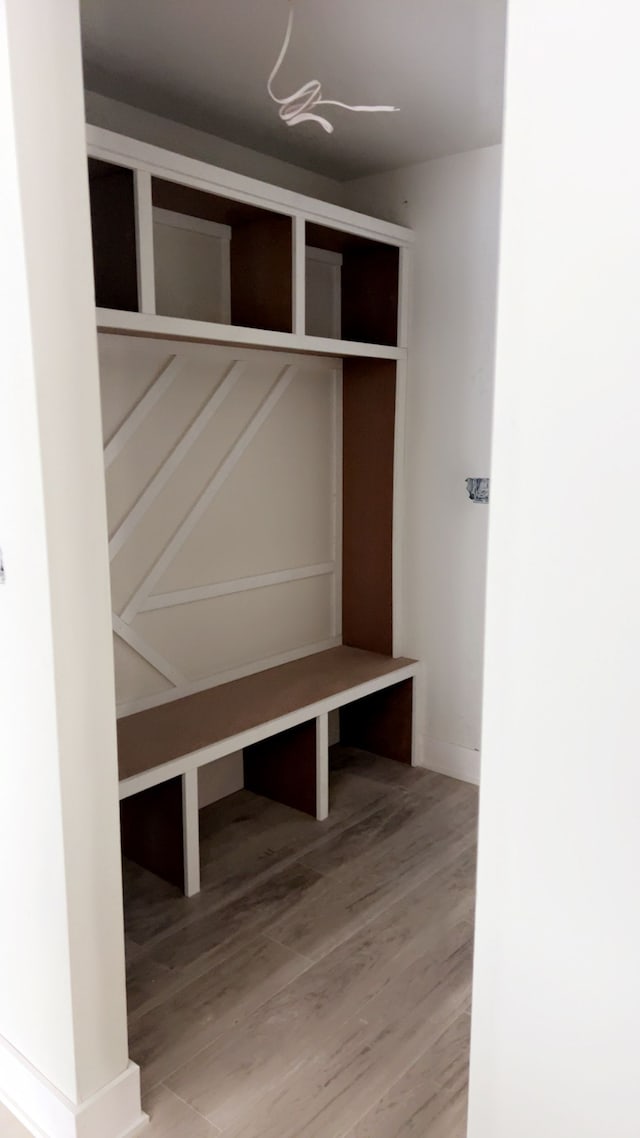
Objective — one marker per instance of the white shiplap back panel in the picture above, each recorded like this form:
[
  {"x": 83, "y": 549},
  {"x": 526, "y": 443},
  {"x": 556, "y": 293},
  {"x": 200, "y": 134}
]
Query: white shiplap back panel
[
  {"x": 275, "y": 510},
  {"x": 221, "y": 478}
]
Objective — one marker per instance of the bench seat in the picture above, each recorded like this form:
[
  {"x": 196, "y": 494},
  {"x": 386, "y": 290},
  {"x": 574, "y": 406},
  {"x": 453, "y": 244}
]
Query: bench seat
[{"x": 278, "y": 718}]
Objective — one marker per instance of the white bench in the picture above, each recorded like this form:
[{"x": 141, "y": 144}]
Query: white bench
[{"x": 279, "y": 719}]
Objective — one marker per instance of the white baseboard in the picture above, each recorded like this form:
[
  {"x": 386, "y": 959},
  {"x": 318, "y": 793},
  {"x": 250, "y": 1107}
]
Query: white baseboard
[
  {"x": 114, "y": 1112},
  {"x": 450, "y": 759}
]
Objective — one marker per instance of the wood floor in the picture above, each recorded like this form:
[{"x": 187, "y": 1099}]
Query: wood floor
[{"x": 319, "y": 986}]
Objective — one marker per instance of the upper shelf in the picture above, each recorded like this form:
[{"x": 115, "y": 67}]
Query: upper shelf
[{"x": 174, "y": 256}]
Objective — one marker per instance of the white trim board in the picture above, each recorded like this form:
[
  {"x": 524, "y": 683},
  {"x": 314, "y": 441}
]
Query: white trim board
[
  {"x": 239, "y": 585},
  {"x": 210, "y": 754},
  {"x": 450, "y": 759},
  {"x": 194, "y": 224},
  {"x": 173, "y": 460},
  {"x": 207, "y": 495},
  {"x": 114, "y": 1112},
  {"x": 161, "y": 163}
]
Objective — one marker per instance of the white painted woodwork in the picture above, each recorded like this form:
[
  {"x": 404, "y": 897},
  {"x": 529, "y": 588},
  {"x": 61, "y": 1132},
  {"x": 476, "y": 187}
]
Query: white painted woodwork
[
  {"x": 133, "y": 638},
  {"x": 173, "y": 461},
  {"x": 176, "y": 328},
  {"x": 299, "y": 294},
  {"x": 241, "y": 585},
  {"x": 137, "y": 415},
  {"x": 144, "y": 241},
  {"x": 161, "y": 163},
  {"x": 205, "y": 755},
  {"x": 219, "y": 779},
  {"x": 248, "y": 669},
  {"x": 225, "y": 509},
  {"x": 191, "y": 832},
  {"x": 322, "y": 767},
  {"x": 192, "y": 267},
  {"x": 135, "y": 677},
  {"x": 63, "y": 1028}
]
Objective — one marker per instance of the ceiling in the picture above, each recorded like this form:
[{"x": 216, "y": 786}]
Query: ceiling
[{"x": 205, "y": 63}]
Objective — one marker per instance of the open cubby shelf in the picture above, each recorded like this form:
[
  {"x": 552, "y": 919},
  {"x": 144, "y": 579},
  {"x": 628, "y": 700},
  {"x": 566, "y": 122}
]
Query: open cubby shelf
[
  {"x": 187, "y": 253},
  {"x": 171, "y": 250}
]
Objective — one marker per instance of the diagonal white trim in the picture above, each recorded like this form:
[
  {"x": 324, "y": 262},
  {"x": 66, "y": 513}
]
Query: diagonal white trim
[
  {"x": 138, "y": 414},
  {"x": 214, "y": 681},
  {"x": 139, "y": 645},
  {"x": 240, "y": 585},
  {"x": 209, "y": 493},
  {"x": 172, "y": 462},
  {"x": 192, "y": 224}
]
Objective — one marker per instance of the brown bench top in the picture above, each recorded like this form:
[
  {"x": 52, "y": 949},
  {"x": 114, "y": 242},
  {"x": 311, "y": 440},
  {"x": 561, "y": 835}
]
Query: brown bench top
[{"x": 151, "y": 738}]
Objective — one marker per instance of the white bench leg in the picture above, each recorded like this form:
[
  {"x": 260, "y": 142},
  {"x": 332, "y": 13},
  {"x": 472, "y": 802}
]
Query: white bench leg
[
  {"x": 322, "y": 767},
  {"x": 191, "y": 833}
]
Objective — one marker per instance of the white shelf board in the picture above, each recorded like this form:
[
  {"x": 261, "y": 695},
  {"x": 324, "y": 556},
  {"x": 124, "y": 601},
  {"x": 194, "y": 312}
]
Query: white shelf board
[{"x": 200, "y": 331}]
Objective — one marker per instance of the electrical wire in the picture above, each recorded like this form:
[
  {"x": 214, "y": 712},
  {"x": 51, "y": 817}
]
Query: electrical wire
[{"x": 300, "y": 107}]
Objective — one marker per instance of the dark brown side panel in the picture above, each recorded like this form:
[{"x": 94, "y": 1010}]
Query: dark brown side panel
[
  {"x": 369, "y": 394},
  {"x": 151, "y": 830},
  {"x": 380, "y": 723},
  {"x": 370, "y": 294},
  {"x": 114, "y": 236},
  {"x": 261, "y": 273},
  {"x": 284, "y": 767}
]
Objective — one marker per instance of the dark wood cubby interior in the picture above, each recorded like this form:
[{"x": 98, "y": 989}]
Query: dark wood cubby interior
[
  {"x": 151, "y": 830},
  {"x": 369, "y": 290},
  {"x": 261, "y": 252},
  {"x": 283, "y": 767},
  {"x": 368, "y": 411},
  {"x": 113, "y": 228}
]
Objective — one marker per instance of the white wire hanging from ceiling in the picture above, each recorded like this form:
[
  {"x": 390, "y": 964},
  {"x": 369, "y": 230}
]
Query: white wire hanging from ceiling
[{"x": 301, "y": 105}]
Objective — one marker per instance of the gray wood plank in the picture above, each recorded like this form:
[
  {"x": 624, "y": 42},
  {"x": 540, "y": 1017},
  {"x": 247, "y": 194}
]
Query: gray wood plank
[
  {"x": 170, "y": 1034},
  {"x": 169, "y": 1117},
  {"x": 253, "y": 1058}
]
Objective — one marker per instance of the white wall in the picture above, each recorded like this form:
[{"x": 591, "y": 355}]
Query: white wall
[
  {"x": 555, "y": 1048},
  {"x": 135, "y": 123},
  {"x": 453, "y": 206},
  {"x": 62, "y": 997}
]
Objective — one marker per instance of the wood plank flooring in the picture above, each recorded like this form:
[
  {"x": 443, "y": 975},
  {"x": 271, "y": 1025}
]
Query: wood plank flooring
[{"x": 319, "y": 986}]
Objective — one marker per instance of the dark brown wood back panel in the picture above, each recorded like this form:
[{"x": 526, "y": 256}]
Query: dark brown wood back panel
[
  {"x": 261, "y": 273},
  {"x": 369, "y": 394},
  {"x": 113, "y": 231}
]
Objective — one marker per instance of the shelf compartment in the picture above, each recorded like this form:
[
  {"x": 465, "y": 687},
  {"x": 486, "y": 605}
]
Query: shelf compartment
[
  {"x": 113, "y": 226},
  {"x": 367, "y": 288},
  {"x": 250, "y": 259}
]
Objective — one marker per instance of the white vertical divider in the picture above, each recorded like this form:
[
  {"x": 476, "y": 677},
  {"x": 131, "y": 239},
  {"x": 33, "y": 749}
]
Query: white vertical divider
[
  {"x": 144, "y": 242},
  {"x": 336, "y": 490},
  {"x": 404, "y": 290},
  {"x": 322, "y": 767},
  {"x": 397, "y": 552},
  {"x": 404, "y": 293},
  {"x": 191, "y": 833},
  {"x": 299, "y": 271}
]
